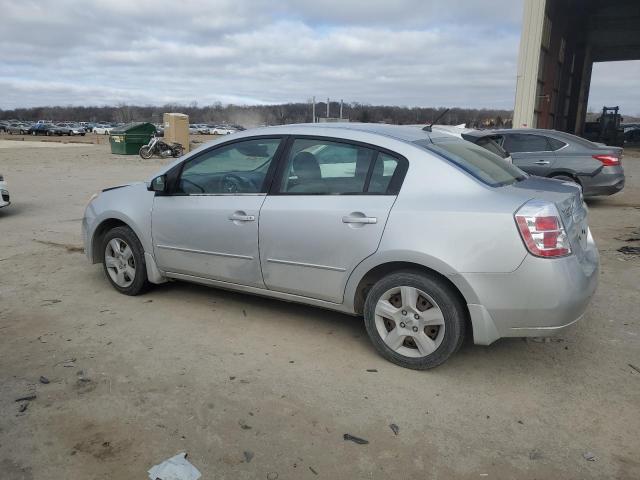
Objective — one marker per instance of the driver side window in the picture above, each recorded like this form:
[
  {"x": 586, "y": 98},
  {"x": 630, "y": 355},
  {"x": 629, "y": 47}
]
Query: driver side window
[{"x": 240, "y": 167}]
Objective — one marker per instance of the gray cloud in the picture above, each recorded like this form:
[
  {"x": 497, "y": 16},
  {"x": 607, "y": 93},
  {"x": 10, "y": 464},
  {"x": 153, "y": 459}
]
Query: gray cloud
[{"x": 407, "y": 52}]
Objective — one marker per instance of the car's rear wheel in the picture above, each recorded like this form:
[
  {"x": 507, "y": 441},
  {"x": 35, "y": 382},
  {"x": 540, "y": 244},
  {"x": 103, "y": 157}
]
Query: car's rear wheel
[
  {"x": 414, "y": 320},
  {"x": 123, "y": 261}
]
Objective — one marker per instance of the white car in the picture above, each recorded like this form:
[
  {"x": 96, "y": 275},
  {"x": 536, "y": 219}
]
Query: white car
[
  {"x": 217, "y": 130},
  {"x": 4, "y": 193},
  {"x": 102, "y": 129}
]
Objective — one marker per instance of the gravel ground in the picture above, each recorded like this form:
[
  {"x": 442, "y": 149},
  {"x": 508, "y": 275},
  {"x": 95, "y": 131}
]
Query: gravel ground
[{"x": 135, "y": 380}]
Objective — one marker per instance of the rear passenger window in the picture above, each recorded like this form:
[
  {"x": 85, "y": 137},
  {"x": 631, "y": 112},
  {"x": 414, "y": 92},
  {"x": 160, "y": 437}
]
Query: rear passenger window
[
  {"x": 383, "y": 171},
  {"x": 555, "y": 144},
  {"x": 520, "y": 142}
]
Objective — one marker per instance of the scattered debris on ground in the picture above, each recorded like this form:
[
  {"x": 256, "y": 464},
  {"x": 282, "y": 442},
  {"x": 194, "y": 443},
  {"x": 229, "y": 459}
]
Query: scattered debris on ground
[
  {"x": 248, "y": 455},
  {"x": 313, "y": 470},
  {"x": 634, "y": 367},
  {"x": 26, "y": 398},
  {"x": 175, "y": 468},
  {"x": 67, "y": 246},
  {"x": 372, "y": 370},
  {"x": 589, "y": 457},
  {"x": 44, "y": 380},
  {"x": 535, "y": 454},
  {"x": 394, "y": 428},
  {"x": 627, "y": 250},
  {"x": 351, "y": 438}
]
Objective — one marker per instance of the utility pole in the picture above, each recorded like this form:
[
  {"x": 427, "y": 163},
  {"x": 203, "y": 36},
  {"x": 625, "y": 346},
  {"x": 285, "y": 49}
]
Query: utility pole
[
  {"x": 327, "y": 107},
  {"x": 341, "y": 109},
  {"x": 313, "y": 110}
]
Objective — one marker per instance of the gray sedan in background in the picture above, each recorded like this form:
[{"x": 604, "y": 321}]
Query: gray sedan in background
[
  {"x": 597, "y": 168},
  {"x": 429, "y": 237}
]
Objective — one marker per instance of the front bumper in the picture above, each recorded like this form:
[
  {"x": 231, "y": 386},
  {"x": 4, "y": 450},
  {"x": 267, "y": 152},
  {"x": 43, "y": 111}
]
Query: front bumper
[{"x": 539, "y": 298}]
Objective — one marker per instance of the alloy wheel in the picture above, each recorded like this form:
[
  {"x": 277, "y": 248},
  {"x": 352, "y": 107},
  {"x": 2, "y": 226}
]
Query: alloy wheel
[
  {"x": 409, "y": 321},
  {"x": 120, "y": 262}
]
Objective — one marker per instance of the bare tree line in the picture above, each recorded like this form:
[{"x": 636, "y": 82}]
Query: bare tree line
[{"x": 255, "y": 115}]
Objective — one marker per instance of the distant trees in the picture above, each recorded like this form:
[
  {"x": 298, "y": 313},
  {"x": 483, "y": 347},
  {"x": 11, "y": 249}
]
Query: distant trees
[{"x": 255, "y": 115}]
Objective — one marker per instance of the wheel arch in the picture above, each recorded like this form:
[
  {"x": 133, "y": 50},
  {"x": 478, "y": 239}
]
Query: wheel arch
[
  {"x": 383, "y": 269},
  {"x": 100, "y": 231},
  {"x": 565, "y": 173},
  {"x": 479, "y": 321}
]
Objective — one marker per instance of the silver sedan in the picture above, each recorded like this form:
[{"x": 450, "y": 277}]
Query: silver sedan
[{"x": 429, "y": 237}]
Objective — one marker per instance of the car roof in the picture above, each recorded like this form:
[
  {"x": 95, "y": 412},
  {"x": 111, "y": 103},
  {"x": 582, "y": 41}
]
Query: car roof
[{"x": 405, "y": 133}]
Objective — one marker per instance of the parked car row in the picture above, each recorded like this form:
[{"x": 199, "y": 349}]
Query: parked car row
[{"x": 211, "y": 129}]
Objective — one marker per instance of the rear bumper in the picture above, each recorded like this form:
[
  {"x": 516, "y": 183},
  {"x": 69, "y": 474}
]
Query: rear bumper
[
  {"x": 610, "y": 180},
  {"x": 540, "y": 298}
]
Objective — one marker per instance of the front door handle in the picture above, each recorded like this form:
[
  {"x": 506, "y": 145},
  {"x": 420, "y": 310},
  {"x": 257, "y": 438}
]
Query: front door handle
[
  {"x": 241, "y": 217},
  {"x": 542, "y": 162},
  {"x": 365, "y": 220}
]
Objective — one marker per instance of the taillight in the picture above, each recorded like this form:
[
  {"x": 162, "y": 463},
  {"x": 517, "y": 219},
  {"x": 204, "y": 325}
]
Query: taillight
[
  {"x": 541, "y": 229},
  {"x": 608, "y": 160}
]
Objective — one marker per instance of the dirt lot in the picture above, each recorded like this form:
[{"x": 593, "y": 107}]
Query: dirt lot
[{"x": 134, "y": 381}]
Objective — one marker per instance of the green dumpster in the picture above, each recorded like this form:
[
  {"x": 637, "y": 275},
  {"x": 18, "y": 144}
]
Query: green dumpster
[{"x": 128, "y": 139}]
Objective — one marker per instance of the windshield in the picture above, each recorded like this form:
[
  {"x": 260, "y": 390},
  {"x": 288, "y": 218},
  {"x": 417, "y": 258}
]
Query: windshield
[{"x": 487, "y": 167}]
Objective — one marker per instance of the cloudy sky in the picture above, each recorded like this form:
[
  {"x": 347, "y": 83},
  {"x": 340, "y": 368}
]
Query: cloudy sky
[{"x": 403, "y": 52}]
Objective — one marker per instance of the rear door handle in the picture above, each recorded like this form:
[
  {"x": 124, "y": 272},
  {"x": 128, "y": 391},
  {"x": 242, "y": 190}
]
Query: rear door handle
[
  {"x": 542, "y": 162},
  {"x": 240, "y": 217},
  {"x": 365, "y": 220}
]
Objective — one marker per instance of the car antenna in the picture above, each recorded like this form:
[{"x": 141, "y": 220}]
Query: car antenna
[{"x": 428, "y": 127}]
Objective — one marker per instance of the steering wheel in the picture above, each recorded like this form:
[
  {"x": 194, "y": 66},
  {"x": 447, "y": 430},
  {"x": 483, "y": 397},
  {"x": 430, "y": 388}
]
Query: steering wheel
[{"x": 232, "y": 183}]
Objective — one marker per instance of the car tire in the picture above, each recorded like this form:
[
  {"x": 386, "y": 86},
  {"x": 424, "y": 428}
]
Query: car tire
[
  {"x": 123, "y": 261},
  {"x": 403, "y": 302}
]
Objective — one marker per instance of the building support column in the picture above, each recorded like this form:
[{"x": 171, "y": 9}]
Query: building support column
[
  {"x": 583, "y": 94},
  {"x": 529, "y": 63}
]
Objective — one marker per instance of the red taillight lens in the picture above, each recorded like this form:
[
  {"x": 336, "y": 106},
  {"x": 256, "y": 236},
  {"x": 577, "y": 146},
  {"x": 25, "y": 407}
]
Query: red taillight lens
[
  {"x": 608, "y": 160},
  {"x": 541, "y": 229}
]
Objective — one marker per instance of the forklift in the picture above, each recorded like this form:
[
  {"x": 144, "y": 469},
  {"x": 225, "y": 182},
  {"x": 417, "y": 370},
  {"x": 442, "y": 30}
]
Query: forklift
[{"x": 606, "y": 129}]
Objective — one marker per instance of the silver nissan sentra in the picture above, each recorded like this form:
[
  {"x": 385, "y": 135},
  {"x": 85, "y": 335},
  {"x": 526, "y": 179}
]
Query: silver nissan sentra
[{"x": 429, "y": 237}]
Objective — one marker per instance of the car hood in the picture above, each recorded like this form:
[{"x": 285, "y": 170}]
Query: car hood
[{"x": 121, "y": 186}]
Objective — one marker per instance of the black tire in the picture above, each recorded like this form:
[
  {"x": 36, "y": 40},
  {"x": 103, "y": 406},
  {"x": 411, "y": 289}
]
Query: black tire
[
  {"x": 178, "y": 151},
  {"x": 452, "y": 308},
  {"x": 140, "y": 282},
  {"x": 145, "y": 152}
]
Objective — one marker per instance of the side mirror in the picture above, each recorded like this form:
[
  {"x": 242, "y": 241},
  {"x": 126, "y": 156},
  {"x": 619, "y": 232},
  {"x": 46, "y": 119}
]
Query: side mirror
[{"x": 158, "y": 184}]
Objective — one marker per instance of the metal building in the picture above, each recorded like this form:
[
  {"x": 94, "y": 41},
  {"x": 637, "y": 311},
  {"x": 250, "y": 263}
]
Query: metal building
[{"x": 561, "y": 39}]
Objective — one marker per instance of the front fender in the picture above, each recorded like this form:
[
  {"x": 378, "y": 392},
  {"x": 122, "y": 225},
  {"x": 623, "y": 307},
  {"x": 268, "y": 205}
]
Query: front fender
[{"x": 130, "y": 205}]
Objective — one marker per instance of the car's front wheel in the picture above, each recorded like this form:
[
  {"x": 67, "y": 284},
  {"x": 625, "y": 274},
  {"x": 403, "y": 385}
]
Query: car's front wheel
[
  {"x": 414, "y": 320},
  {"x": 123, "y": 261}
]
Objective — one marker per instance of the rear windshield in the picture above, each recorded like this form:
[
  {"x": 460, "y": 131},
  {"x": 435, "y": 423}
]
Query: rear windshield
[
  {"x": 491, "y": 145},
  {"x": 487, "y": 167}
]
